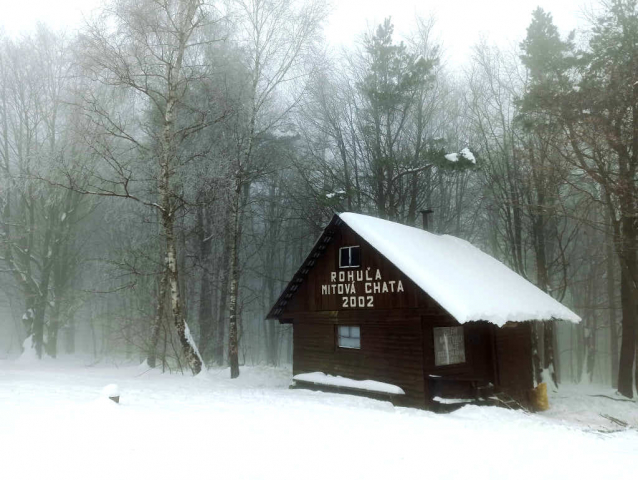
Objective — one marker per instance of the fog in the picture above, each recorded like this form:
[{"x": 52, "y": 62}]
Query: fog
[{"x": 166, "y": 167}]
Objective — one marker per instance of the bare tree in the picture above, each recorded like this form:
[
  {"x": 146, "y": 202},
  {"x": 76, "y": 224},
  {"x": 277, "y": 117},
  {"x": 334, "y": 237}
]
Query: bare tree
[
  {"x": 278, "y": 37},
  {"x": 150, "y": 51}
]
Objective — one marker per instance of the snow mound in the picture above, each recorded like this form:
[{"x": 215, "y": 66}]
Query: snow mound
[
  {"x": 321, "y": 378},
  {"x": 29, "y": 354},
  {"x": 468, "y": 283},
  {"x": 111, "y": 390}
]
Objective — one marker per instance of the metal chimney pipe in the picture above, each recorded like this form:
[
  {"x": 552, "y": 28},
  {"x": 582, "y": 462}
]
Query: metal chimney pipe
[{"x": 425, "y": 214}]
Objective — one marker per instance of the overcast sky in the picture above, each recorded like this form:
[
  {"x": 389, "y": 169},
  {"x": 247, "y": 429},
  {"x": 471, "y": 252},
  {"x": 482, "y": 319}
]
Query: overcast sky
[{"x": 460, "y": 23}]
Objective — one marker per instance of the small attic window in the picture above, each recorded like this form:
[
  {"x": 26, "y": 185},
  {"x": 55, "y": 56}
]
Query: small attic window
[{"x": 350, "y": 257}]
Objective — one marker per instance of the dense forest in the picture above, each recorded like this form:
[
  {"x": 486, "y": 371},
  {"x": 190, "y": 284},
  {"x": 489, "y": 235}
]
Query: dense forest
[{"x": 165, "y": 170}]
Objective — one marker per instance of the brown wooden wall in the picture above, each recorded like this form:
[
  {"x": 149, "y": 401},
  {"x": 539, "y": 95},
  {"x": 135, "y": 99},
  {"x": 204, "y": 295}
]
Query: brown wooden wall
[
  {"x": 478, "y": 350},
  {"x": 513, "y": 345},
  {"x": 396, "y": 350},
  {"x": 391, "y": 351},
  {"x": 479, "y": 360}
]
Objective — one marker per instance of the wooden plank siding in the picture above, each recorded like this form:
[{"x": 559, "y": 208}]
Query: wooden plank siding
[
  {"x": 391, "y": 351},
  {"x": 308, "y": 298},
  {"x": 394, "y": 349},
  {"x": 513, "y": 345}
]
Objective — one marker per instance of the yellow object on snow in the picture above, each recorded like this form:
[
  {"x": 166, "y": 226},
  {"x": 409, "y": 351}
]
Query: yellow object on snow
[{"x": 539, "y": 399}]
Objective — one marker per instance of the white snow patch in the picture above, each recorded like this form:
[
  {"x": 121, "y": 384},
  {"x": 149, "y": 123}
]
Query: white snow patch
[
  {"x": 111, "y": 390},
  {"x": 546, "y": 377},
  {"x": 29, "y": 354},
  {"x": 337, "y": 381},
  {"x": 465, "y": 153},
  {"x": 452, "y": 401},
  {"x": 193, "y": 344},
  {"x": 144, "y": 366},
  {"x": 334, "y": 194},
  {"x": 48, "y": 412},
  {"x": 468, "y": 155},
  {"x": 469, "y": 284}
]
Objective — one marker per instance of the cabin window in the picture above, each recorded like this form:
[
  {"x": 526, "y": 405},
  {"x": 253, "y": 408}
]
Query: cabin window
[
  {"x": 349, "y": 336},
  {"x": 349, "y": 257},
  {"x": 449, "y": 346}
]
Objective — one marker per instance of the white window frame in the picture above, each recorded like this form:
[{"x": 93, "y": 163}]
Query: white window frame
[
  {"x": 349, "y": 248},
  {"x": 443, "y": 358},
  {"x": 349, "y": 337}
]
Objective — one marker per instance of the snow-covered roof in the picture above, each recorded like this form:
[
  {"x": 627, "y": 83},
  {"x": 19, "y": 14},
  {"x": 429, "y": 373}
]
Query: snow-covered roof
[{"x": 468, "y": 283}]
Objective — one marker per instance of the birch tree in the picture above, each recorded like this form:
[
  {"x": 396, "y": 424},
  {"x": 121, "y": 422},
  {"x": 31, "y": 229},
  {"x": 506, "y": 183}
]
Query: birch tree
[
  {"x": 278, "y": 37},
  {"x": 149, "y": 51}
]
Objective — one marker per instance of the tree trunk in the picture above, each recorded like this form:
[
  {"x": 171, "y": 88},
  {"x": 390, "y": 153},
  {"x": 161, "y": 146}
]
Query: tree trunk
[
  {"x": 220, "y": 331},
  {"x": 158, "y": 320},
  {"x": 536, "y": 359},
  {"x": 69, "y": 336},
  {"x": 189, "y": 348},
  {"x": 205, "y": 313},
  {"x": 611, "y": 299},
  {"x": 233, "y": 339},
  {"x": 43, "y": 295},
  {"x": 53, "y": 328},
  {"x": 629, "y": 297},
  {"x": 628, "y": 342},
  {"x": 549, "y": 334},
  {"x": 168, "y": 210}
]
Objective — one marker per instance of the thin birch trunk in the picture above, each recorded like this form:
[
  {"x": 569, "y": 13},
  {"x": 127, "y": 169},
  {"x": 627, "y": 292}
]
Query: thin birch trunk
[
  {"x": 233, "y": 339},
  {"x": 158, "y": 320}
]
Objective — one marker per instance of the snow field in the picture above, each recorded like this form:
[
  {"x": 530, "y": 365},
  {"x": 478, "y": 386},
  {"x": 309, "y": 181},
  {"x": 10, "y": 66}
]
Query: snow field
[{"x": 55, "y": 424}]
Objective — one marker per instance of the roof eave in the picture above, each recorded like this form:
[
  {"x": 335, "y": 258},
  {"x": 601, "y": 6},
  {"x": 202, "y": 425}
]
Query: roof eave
[{"x": 302, "y": 272}]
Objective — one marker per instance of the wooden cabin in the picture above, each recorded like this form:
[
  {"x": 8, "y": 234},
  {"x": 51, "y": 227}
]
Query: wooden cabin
[{"x": 431, "y": 315}]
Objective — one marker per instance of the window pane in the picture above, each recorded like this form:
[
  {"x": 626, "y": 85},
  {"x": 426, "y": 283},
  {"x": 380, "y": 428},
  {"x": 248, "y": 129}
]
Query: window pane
[
  {"x": 449, "y": 345},
  {"x": 350, "y": 342},
  {"x": 344, "y": 257},
  {"x": 349, "y": 336},
  {"x": 355, "y": 257},
  {"x": 355, "y": 332}
]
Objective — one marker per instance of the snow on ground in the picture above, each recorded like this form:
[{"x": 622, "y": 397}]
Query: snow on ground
[
  {"x": 55, "y": 424},
  {"x": 595, "y": 407}
]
